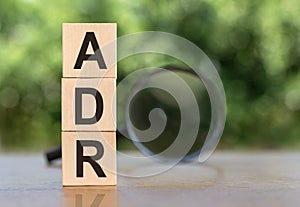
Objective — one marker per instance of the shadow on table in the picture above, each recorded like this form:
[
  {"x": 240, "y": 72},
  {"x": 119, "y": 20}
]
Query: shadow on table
[{"x": 90, "y": 196}]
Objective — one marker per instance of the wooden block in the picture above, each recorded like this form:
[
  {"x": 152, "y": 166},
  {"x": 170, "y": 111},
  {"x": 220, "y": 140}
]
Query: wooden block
[
  {"x": 88, "y": 158},
  {"x": 97, "y": 196},
  {"x": 81, "y": 56},
  {"x": 95, "y": 105}
]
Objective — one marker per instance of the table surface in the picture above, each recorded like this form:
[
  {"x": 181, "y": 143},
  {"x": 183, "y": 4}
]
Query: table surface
[{"x": 226, "y": 179}]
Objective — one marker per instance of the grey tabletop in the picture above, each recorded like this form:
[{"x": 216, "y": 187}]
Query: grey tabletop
[{"x": 226, "y": 179}]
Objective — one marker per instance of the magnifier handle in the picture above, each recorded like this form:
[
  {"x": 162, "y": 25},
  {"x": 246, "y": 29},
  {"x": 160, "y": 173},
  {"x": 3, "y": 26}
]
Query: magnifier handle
[{"x": 53, "y": 154}]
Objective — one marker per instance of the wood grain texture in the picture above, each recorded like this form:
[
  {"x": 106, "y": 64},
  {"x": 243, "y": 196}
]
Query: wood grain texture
[
  {"x": 227, "y": 179},
  {"x": 107, "y": 89},
  {"x": 107, "y": 161},
  {"x": 73, "y": 36}
]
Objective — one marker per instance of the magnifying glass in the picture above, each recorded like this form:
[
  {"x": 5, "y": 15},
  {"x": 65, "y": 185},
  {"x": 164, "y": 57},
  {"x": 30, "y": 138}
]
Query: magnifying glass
[
  {"x": 160, "y": 108},
  {"x": 167, "y": 119}
]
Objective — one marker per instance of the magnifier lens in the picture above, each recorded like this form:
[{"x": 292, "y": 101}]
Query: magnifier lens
[{"x": 155, "y": 115}]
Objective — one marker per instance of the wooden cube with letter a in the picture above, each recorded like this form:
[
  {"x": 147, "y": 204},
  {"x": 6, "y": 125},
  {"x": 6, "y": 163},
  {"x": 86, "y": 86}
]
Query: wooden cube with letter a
[
  {"x": 89, "y": 104},
  {"x": 89, "y": 50},
  {"x": 88, "y": 158}
]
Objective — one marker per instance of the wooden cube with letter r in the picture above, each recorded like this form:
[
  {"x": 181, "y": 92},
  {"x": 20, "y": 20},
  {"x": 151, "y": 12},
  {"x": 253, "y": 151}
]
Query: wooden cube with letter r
[{"x": 88, "y": 158}]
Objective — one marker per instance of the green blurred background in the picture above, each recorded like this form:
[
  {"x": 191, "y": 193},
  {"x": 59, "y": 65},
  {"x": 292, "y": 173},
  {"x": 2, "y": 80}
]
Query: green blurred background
[{"x": 254, "y": 44}]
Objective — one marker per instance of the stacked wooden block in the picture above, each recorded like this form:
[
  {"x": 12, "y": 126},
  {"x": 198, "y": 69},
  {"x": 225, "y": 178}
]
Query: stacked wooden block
[{"x": 89, "y": 104}]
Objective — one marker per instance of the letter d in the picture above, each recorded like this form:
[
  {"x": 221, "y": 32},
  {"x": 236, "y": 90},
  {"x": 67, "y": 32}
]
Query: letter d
[{"x": 78, "y": 106}]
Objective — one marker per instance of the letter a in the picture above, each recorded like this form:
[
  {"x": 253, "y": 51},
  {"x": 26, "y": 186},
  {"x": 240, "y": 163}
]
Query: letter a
[{"x": 82, "y": 56}]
